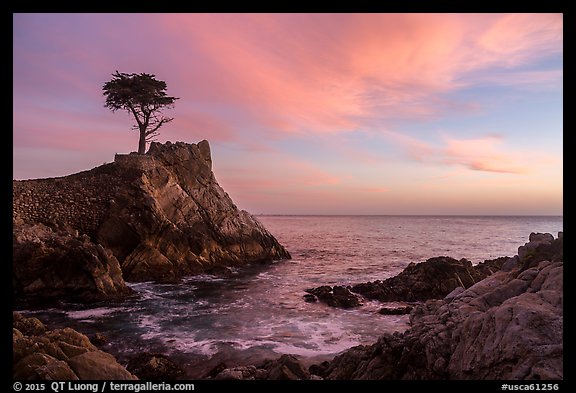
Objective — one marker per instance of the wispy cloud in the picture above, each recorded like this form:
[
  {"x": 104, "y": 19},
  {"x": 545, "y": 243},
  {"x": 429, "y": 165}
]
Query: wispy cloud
[
  {"x": 513, "y": 39},
  {"x": 335, "y": 73},
  {"x": 484, "y": 154}
]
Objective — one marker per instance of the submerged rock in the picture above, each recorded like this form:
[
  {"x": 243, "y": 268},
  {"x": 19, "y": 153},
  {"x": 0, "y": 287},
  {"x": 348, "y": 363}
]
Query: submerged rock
[
  {"x": 395, "y": 310},
  {"x": 337, "y": 296},
  {"x": 99, "y": 339},
  {"x": 154, "y": 367}
]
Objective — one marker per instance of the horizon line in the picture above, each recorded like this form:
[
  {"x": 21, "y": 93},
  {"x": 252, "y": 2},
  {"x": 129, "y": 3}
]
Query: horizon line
[{"x": 405, "y": 215}]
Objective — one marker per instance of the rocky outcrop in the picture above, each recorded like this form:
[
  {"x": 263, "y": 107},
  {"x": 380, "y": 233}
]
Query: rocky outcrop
[
  {"x": 395, "y": 310},
  {"x": 541, "y": 247},
  {"x": 432, "y": 279},
  {"x": 154, "y": 367},
  {"x": 337, "y": 296},
  {"x": 60, "y": 354},
  {"x": 160, "y": 216},
  {"x": 174, "y": 219},
  {"x": 50, "y": 264},
  {"x": 286, "y": 367},
  {"x": 507, "y": 326}
]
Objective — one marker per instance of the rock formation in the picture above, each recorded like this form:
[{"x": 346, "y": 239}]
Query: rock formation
[
  {"x": 286, "y": 367},
  {"x": 337, "y": 296},
  {"x": 60, "y": 354},
  {"x": 541, "y": 247},
  {"x": 56, "y": 263},
  {"x": 160, "y": 216},
  {"x": 432, "y": 279},
  {"x": 507, "y": 326},
  {"x": 154, "y": 367}
]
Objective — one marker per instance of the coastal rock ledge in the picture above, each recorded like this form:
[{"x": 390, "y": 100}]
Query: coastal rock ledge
[
  {"x": 158, "y": 216},
  {"x": 508, "y": 326},
  {"x": 59, "y": 354}
]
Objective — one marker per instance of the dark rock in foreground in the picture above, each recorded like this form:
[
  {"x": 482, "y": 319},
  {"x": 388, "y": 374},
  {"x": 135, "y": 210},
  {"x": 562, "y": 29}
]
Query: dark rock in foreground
[
  {"x": 60, "y": 354},
  {"x": 154, "y": 367},
  {"x": 286, "y": 367},
  {"x": 158, "y": 216},
  {"x": 99, "y": 339},
  {"x": 55, "y": 264}
]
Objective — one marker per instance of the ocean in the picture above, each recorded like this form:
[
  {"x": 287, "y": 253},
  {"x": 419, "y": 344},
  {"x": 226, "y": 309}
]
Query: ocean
[{"x": 259, "y": 312}]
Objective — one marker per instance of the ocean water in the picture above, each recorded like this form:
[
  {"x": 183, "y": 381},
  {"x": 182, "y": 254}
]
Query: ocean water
[{"x": 260, "y": 313}]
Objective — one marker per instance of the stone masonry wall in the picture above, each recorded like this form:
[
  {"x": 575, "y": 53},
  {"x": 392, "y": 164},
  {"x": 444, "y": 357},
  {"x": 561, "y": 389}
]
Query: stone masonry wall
[
  {"x": 135, "y": 161},
  {"x": 79, "y": 201}
]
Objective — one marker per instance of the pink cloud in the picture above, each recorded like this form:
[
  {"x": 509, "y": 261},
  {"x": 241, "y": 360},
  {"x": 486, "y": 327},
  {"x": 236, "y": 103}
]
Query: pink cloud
[
  {"x": 330, "y": 73},
  {"x": 291, "y": 73},
  {"x": 515, "y": 38},
  {"x": 377, "y": 190},
  {"x": 190, "y": 124},
  {"x": 484, "y": 154},
  {"x": 528, "y": 80},
  {"x": 287, "y": 172},
  {"x": 415, "y": 148},
  {"x": 254, "y": 83},
  {"x": 479, "y": 154}
]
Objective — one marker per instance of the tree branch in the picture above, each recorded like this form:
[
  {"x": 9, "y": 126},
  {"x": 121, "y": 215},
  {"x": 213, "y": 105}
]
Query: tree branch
[
  {"x": 135, "y": 115},
  {"x": 159, "y": 124},
  {"x": 152, "y": 136}
]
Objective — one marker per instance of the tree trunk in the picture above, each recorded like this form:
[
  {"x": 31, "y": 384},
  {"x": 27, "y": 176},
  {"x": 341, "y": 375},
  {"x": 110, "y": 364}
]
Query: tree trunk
[{"x": 142, "y": 142}]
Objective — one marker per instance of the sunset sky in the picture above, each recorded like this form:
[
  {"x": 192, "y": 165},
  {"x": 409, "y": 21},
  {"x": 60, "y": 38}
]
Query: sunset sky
[{"x": 312, "y": 113}]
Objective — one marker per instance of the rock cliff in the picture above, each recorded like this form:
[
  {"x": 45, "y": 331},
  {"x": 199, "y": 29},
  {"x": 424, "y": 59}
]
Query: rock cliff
[{"x": 158, "y": 216}]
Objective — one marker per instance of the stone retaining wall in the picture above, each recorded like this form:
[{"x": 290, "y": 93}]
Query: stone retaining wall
[{"x": 79, "y": 201}]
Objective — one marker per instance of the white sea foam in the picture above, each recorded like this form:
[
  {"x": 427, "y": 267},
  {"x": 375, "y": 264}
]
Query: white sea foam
[
  {"x": 201, "y": 347},
  {"x": 149, "y": 323},
  {"x": 90, "y": 314},
  {"x": 207, "y": 277}
]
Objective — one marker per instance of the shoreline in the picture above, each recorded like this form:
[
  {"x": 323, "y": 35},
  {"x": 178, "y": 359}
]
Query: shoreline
[{"x": 219, "y": 360}]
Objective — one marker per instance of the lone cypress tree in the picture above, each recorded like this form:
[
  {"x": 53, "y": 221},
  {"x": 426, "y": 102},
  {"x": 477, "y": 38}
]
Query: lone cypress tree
[{"x": 144, "y": 97}]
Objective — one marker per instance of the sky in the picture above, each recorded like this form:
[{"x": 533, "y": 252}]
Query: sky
[{"x": 312, "y": 113}]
